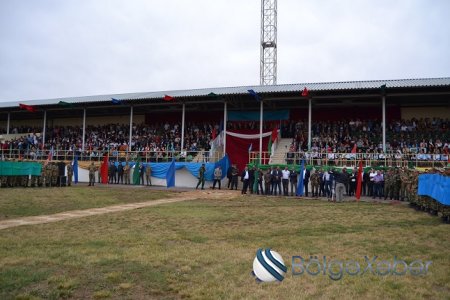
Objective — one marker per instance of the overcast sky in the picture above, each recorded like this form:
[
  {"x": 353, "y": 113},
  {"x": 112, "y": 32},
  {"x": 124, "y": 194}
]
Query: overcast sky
[{"x": 55, "y": 48}]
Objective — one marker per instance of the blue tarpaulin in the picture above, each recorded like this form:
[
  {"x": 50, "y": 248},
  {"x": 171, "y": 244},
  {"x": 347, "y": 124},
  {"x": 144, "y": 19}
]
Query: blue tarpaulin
[{"x": 435, "y": 186}]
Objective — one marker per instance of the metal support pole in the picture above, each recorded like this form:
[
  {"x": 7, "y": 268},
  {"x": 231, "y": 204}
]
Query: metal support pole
[
  {"x": 383, "y": 102},
  {"x": 260, "y": 129},
  {"x": 183, "y": 114},
  {"x": 309, "y": 123},
  {"x": 7, "y": 123},
  {"x": 44, "y": 129},
  {"x": 131, "y": 128},
  {"x": 225, "y": 117},
  {"x": 84, "y": 130}
]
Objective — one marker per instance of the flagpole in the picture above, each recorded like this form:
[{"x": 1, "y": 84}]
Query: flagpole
[
  {"x": 383, "y": 105},
  {"x": 131, "y": 128},
  {"x": 225, "y": 117},
  {"x": 260, "y": 129},
  {"x": 183, "y": 115},
  {"x": 84, "y": 130},
  {"x": 7, "y": 123},
  {"x": 309, "y": 123},
  {"x": 43, "y": 129}
]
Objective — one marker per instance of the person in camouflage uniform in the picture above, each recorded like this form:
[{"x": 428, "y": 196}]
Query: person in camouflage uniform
[
  {"x": 148, "y": 174},
  {"x": 126, "y": 173},
  {"x": 55, "y": 173},
  {"x": 403, "y": 182},
  {"x": 92, "y": 170},
  {"x": 315, "y": 183},
  {"x": 48, "y": 175},
  {"x": 69, "y": 174},
  {"x": 388, "y": 184}
]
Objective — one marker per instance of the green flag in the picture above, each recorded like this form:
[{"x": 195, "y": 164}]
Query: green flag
[
  {"x": 136, "y": 173},
  {"x": 66, "y": 104}
]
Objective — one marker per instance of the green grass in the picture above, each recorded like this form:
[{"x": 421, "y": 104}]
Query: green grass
[
  {"x": 204, "y": 249},
  {"x": 19, "y": 202}
]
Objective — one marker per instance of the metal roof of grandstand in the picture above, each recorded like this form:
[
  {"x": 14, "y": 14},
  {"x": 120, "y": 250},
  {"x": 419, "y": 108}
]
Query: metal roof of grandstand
[{"x": 243, "y": 90}]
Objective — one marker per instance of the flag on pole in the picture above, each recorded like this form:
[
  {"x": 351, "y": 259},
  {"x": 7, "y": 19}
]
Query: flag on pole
[
  {"x": 27, "y": 107},
  {"x": 136, "y": 173},
  {"x": 214, "y": 133},
  {"x": 255, "y": 95},
  {"x": 170, "y": 175},
  {"x": 116, "y": 101},
  {"x": 383, "y": 89},
  {"x": 250, "y": 148},
  {"x": 75, "y": 169},
  {"x": 104, "y": 169},
  {"x": 305, "y": 92},
  {"x": 168, "y": 98},
  {"x": 359, "y": 181},
  {"x": 50, "y": 154},
  {"x": 300, "y": 180},
  {"x": 354, "y": 148}
]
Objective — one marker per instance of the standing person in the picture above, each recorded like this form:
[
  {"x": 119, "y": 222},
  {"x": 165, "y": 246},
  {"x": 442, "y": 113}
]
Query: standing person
[
  {"x": 276, "y": 181},
  {"x": 148, "y": 174},
  {"x": 141, "y": 173},
  {"x": 217, "y": 176},
  {"x": 259, "y": 183},
  {"x": 321, "y": 183},
  {"x": 201, "y": 177},
  {"x": 306, "y": 175},
  {"x": 251, "y": 179},
  {"x": 69, "y": 174},
  {"x": 285, "y": 180},
  {"x": 294, "y": 180},
  {"x": 377, "y": 185},
  {"x": 245, "y": 178},
  {"x": 120, "y": 173},
  {"x": 365, "y": 183},
  {"x": 92, "y": 174},
  {"x": 268, "y": 181},
  {"x": 230, "y": 175},
  {"x": 234, "y": 177},
  {"x": 315, "y": 183},
  {"x": 371, "y": 186},
  {"x": 328, "y": 179},
  {"x": 341, "y": 181},
  {"x": 352, "y": 183},
  {"x": 126, "y": 173}
]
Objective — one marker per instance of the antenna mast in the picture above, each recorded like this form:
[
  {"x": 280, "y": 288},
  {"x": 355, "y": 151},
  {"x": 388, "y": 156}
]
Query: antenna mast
[{"x": 268, "y": 63}]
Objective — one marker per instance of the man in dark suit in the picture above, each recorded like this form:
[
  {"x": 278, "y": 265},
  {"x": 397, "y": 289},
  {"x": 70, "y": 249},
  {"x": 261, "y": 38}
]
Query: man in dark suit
[
  {"x": 245, "y": 177},
  {"x": 306, "y": 175},
  {"x": 276, "y": 181}
]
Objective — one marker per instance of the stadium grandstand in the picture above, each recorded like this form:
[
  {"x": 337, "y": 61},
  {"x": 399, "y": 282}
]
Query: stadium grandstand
[{"x": 382, "y": 122}]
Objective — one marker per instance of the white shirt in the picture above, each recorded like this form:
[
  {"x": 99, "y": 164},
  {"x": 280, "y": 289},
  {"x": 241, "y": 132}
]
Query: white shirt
[
  {"x": 246, "y": 176},
  {"x": 286, "y": 174}
]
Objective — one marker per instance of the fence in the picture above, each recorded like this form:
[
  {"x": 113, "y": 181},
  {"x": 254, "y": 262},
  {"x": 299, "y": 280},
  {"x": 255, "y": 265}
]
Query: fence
[
  {"x": 146, "y": 156},
  {"x": 352, "y": 159}
]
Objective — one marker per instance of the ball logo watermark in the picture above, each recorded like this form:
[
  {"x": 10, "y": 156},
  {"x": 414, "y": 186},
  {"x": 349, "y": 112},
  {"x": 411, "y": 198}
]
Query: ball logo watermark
[{"x": 268, "y": 266}]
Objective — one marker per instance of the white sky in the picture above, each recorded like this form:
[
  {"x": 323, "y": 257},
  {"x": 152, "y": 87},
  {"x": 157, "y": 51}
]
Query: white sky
[{"x": 63, "y": 48}]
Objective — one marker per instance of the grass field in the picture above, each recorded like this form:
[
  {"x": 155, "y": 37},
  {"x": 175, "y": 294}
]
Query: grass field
[
  {"x": 19, "y": 202},
  {"x": 204, "y": 249}
]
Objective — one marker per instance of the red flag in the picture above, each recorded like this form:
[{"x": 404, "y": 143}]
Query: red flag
[
  {"x": 305, "y": 92},
  {"x": 359, "y": 181},
  {"x": 104, "y": 169},
  {"x": 354, "y": 148},
  {"x": 27, "y": 107},
  {"x": 214, "y": 133},
  {"x": 168, "y": 98},
  {"x": 274, "y": 134}
]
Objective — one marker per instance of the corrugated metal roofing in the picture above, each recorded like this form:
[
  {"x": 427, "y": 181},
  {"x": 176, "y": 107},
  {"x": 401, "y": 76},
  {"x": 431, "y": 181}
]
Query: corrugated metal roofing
[{"x": 242, "y": 90}]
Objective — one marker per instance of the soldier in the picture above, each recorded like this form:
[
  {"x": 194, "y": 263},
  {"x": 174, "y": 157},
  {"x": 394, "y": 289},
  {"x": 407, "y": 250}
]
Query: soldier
[
  {"x": 268, "y": 181},
  {"x": 234, "y": 177},
  {"x": 92, "y": 170},
  {"x": 69, "y": 174},
  {"x": 126, "y": 173},
  {"x": 41, "y": 178},
  {"x": 315, "y": 183},
  {"x": 148, "y": 174},
  {"x": 388, "y": 184},
  {"x": 48, "y": 175},
  {"x": 201, "y": 177},
  {"x": 403, "y": 181},
  {"x": 396, "y": 184},
  {"x": 54, "y": 174},
  {"x": 3, "y": 181}
]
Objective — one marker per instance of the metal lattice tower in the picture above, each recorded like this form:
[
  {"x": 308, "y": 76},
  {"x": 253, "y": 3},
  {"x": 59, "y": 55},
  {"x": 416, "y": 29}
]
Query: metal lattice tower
[{"x": 268, "y": 67}]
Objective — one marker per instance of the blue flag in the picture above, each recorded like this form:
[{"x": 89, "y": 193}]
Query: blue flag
[
  {"x": 170, "y": 175},
  {"x": 250, "y": 148},
  {"x": 116, "y": 101},
  {"x": 300, "y": 180},
  {"x": 75, "y": 169},
  {"x": 255, "y": 95}
]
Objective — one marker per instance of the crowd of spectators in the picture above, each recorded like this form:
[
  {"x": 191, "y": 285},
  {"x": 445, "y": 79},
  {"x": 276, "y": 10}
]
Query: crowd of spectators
[{"x": 423, "y": 136}]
